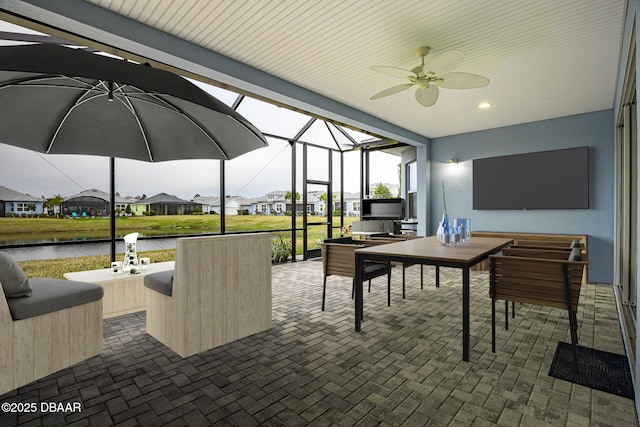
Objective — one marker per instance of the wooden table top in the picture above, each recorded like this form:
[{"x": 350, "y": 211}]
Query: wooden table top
[{"x": 430, "y": 248}]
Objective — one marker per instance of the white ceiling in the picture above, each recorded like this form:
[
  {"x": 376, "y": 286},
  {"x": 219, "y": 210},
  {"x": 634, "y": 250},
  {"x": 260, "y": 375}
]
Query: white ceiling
[{"x": 545, "y": 58}]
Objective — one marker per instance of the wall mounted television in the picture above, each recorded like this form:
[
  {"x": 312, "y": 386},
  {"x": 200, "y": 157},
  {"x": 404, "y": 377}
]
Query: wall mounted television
[{"x": 557, "y": 179}]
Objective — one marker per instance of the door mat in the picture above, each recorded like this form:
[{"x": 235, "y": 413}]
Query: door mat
[{"x": 600, "y": 370}]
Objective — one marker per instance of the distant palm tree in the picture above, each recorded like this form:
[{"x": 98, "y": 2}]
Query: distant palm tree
[
  {"x": 287, "y": 195},
  {"x": 328, "y": 204}
]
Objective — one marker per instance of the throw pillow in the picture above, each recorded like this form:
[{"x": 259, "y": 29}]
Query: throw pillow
[{"x": 14, "y": 282}]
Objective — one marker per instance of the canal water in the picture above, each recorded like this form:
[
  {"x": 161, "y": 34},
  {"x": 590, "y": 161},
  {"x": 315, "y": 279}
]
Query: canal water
[{"x": 85, "y": 249}]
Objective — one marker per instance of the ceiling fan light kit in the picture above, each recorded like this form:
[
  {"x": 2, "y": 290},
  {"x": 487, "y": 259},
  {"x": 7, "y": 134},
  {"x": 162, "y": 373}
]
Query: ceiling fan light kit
[{"x": 431, "y": 75}]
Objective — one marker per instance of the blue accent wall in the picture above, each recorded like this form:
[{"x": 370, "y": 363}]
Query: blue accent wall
[{"x": 595, "y": 130}]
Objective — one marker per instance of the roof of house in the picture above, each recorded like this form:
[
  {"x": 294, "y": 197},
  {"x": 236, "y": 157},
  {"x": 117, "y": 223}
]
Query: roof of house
[
  {"x": 215, "y": 201},
  {"x": 9, "y": 195},
  {"x": 98, "y": 194},
  {"x": 163, "y": 198}
]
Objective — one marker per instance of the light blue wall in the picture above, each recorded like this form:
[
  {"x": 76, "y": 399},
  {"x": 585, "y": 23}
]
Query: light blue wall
[{"x": 595, "y": 130}]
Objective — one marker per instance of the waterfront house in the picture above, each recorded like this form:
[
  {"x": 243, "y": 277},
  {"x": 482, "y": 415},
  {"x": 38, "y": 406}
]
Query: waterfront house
[
  {"x": 211, "y": 205},
  {"x": 13, "y": 202},
  {"x": 167, "y": 204},
  {"x": 351, "y": 203},
  {"x": 92, "y": 202}
]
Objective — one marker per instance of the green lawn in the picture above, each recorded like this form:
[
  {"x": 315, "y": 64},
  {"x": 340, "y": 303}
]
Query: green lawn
[
  {"x": 148, "y": 225},
  {"x": 25, "y": 229}
]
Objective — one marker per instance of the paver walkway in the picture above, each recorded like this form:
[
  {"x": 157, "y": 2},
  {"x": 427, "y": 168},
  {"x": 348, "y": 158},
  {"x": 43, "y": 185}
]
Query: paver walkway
[{"x": 311, "y": 368}]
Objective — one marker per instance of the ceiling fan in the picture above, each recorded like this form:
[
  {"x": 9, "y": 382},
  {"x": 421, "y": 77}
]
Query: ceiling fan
[{"x": 429, "y": 76}]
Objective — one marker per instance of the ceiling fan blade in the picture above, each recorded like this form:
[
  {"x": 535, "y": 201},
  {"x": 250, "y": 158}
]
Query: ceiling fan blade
[
  {"x": 390, "y": 91},
  {"x": 462, "y": 81},
  {"x": 427, "y": 96},
  {"x": 443, "y": 63},
  {"x": 393, "y": 71}
]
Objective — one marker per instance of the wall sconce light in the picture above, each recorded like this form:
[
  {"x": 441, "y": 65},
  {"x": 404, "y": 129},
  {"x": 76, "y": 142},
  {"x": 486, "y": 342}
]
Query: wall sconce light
[{"x": 452, "y": 161}]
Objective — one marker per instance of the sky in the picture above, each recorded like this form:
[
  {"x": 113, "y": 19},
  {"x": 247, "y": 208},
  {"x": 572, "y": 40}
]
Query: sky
[{"x": 251, "y": 175}]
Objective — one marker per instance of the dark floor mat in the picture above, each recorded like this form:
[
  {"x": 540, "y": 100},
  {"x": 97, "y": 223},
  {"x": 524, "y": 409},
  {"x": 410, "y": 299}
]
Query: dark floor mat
[{"x": 600, "y": 370}]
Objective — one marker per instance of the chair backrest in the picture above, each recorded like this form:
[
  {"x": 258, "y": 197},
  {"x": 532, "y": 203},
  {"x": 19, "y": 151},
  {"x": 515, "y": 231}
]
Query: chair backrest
[
  {"x": 540, "y": 281},
  {"x": 536, "y": 252},
  {"x": 338, "y": 259},
  {"x": 221, "y": 290},
  {"x": 549, "y": 244}
]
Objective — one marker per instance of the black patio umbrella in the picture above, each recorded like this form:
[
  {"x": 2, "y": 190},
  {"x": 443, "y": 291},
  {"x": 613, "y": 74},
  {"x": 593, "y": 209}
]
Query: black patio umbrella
[{"x": 60, "y": 100}]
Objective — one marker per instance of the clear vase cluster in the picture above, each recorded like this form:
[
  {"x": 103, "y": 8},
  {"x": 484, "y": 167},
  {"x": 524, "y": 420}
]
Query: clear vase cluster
[{"x": 453, "y": 233}]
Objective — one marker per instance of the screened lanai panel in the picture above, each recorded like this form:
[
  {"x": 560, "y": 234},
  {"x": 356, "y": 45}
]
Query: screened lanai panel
[
  {"x": 318, "y": 163},
  {"x": 384, "y": 170},
  {"x": 351, "y": 161},
  {"x": 319, "y": 134},
  {"x": 180, "y": 189},
  {"x": 257, "y": 183},
  {"x": 336, "y": 176},
  {"x": 359, "y": 137},
  {"x": 225, "y": 96},
  {"x": 343, "y": 141},
  {"x": 271, "y": 119},
  {"x": 44, "y": 177}
]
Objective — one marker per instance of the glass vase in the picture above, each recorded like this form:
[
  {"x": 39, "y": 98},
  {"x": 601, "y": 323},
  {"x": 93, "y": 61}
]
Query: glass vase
[
  {"x": 463, "y": 229},
  {"x": 444, "y": 231}
]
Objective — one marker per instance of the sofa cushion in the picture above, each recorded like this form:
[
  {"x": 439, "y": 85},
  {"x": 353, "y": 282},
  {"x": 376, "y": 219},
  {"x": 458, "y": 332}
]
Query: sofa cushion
[
  {"x": 14, "y": 282},
  {"x": 51, "y": 295},
  {"x": 375, "y": 269},
  {"x": 161, "y": 281}
]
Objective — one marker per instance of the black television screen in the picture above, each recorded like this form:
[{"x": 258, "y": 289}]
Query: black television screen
[{"x": 557, "y": 179}]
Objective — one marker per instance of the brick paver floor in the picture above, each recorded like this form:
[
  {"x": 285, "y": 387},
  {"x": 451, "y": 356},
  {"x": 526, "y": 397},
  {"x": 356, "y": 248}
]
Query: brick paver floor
[{"x": 404, "y": 369}]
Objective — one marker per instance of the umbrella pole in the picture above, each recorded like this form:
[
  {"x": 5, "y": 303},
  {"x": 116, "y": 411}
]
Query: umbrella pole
[{"x": 112, "y": 204}]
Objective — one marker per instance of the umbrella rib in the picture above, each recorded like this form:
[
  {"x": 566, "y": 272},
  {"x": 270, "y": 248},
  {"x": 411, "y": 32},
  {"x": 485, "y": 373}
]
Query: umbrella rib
[
  {"x": 127, "y": 103},
  {"x": 168, "y": 105},
  {"x": 79, "y": 101}
]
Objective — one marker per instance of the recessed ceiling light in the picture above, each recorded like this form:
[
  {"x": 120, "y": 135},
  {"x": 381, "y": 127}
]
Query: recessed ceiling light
[{"x": 484, "y": 105}]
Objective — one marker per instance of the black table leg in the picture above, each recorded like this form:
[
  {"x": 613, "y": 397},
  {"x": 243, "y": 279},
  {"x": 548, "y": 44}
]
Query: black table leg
[
  {"x": 437, "y": 276},
  {"x": 358, "y": 305},
  {"x": 465, "y": 313}
]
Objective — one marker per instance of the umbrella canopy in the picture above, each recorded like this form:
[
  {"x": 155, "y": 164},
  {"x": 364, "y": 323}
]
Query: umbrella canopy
[{"x": 60, "y": 100}]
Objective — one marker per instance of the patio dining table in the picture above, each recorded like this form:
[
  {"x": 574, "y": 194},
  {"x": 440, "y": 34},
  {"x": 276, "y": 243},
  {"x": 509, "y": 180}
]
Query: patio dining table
[{"x": 429, "y": 251}]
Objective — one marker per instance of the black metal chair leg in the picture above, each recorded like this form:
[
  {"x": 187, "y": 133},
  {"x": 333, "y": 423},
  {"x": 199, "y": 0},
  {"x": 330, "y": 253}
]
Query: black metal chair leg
[
  {"x": 324, "y": 291},
  {"x": 506, "y": 315},
  {"x": 389, "y": 289},
  {"x": 403, "y": 268},
  {"x": 369, "y": 285},
  {"x": 421, "y": 276},
  {"x": 573, "y": 325},
  {"x": 493, "y": 325},
  {"x": 513, "y": 309}
]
